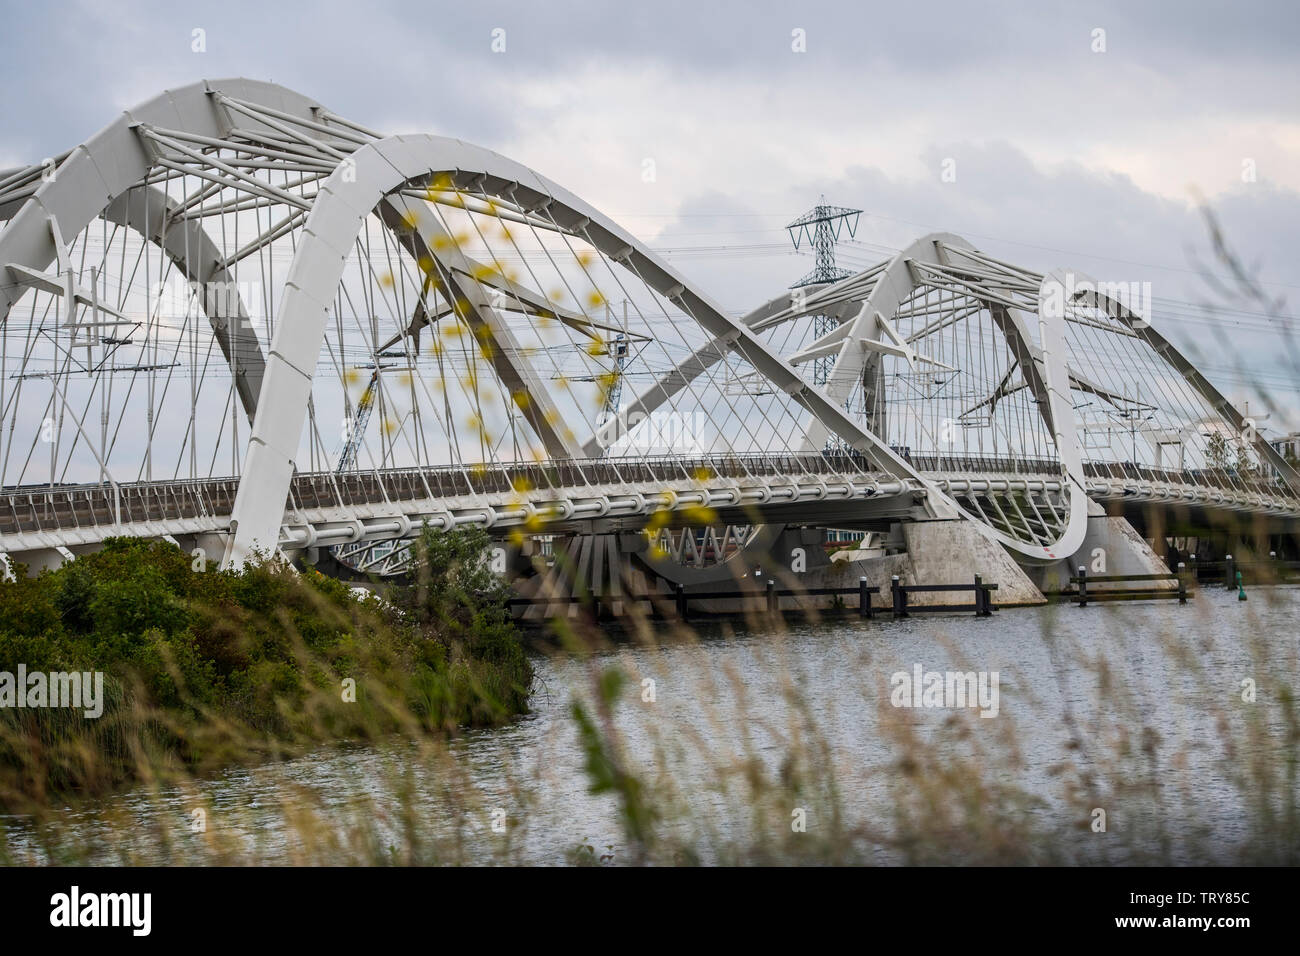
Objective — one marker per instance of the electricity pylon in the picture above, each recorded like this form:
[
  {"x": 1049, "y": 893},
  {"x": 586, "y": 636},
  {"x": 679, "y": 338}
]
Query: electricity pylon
[{"x": 822, "y": 226}]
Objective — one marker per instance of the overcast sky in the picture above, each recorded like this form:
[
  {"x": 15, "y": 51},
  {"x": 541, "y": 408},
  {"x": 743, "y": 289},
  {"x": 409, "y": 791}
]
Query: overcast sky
[{"x": 1080, "y": 135}]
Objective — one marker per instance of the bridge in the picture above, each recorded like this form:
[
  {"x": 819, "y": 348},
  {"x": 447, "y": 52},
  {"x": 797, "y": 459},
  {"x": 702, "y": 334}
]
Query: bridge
[{"x": 235, "y": 319}]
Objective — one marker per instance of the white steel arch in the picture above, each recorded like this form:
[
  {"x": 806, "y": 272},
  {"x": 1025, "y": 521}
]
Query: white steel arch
[
  {"x": 115, "y": 160},
  {"x": 345, "y": 199},
  {"x": 865, "y": 306},
  {"x": 103, "y": 177}
]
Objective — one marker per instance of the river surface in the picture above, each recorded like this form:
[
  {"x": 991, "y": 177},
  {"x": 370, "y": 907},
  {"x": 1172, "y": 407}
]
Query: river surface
[{"x": 1142, "y": 701}]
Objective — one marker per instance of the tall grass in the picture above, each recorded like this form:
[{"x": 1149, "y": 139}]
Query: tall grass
[{"x": 1133, "y": 710}]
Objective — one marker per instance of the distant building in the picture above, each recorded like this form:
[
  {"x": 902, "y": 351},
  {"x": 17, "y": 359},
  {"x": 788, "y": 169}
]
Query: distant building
[{"x": 1288, "y": 447}]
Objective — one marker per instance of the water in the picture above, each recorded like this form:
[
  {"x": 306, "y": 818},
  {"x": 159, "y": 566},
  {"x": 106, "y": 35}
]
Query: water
[{"x": 1160, "y": 729}]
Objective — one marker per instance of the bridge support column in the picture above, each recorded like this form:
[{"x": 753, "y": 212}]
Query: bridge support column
[
  {"x": 211, "y": 547},
  {"x": 940, "y": 551},
  {"x": 593, "y": 567},
  {"x": 952, "y": 552},
  {"x": 1110, "y": 546},
  {"x": 40, "y": 560}
]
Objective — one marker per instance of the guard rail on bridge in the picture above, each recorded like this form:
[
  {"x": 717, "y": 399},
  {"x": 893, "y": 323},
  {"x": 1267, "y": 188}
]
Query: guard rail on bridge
[{"x": 196, "y": 506}]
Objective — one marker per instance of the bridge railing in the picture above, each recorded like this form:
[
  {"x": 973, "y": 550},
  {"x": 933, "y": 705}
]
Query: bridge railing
[
  {"x": 41, "y": 508},
  {"x": 327, "y": 489},
  {"x": 37, "y": 508},
  {"x": 1223, "y": 479}
]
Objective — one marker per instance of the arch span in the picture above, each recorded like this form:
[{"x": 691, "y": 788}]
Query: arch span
[{"x": 346, "y": 198}]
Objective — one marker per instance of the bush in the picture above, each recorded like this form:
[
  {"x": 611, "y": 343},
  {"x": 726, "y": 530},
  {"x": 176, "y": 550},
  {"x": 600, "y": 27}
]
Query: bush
[{"x": 203, "y": 668}]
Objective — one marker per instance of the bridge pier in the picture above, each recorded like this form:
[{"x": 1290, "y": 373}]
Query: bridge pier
[
  {"x": 611, "y": 565},
  {"x": 598, "y": 566},
  {"x": 942, "y": 551},
  {"x": 948, "y": 551},
  {"x": 210, "y": 546},
  {"x": 38, "y": 560},
  {"x": 1110, "y": 546}
]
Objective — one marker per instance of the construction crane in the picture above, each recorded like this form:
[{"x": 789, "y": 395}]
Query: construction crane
[
  {"x": 348, "y": 459},
  {"x": 614, "y": 397},
  {"x": 618, "y": 351}
]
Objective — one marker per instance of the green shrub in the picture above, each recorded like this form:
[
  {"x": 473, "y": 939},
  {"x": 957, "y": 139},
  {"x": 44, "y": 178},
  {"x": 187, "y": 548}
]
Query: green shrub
[{"x": 208, "y": 667}]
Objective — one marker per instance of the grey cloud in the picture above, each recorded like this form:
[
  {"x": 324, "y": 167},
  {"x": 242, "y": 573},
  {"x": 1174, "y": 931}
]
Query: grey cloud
[{"x": 980, "y": 83}]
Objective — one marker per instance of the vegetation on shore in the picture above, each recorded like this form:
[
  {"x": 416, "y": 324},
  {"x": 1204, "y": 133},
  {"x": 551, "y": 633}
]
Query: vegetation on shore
[{"x": 204, "y": 668}]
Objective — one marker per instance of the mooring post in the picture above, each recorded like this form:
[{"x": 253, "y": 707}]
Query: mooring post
[
  {"x": 900, "y": 597},
  {"x": 771, "y": 596},
  {"x": 1083, "y": 586},
  {"x": 864, "y": 598},
  {"x": 1229, "y": 579},
  {"x": 681, "y": 602},
  {"x": 981, "y": 598},
  {"x": 1182, "y": 582}
]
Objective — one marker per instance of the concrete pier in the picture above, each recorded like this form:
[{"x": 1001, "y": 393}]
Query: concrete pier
[
  {"x": 1110, "y": 546},
  {"x": 930, "y": 552},
  {"x": 937, "y": 552}
]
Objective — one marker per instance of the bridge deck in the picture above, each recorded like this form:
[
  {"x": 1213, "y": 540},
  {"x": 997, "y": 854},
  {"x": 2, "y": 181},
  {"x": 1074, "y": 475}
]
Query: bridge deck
[{"x": 205, "y": 505}]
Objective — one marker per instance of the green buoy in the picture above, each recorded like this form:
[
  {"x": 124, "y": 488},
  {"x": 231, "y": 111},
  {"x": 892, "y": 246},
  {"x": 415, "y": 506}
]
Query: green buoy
[{"x": 1241, "y": 588}]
